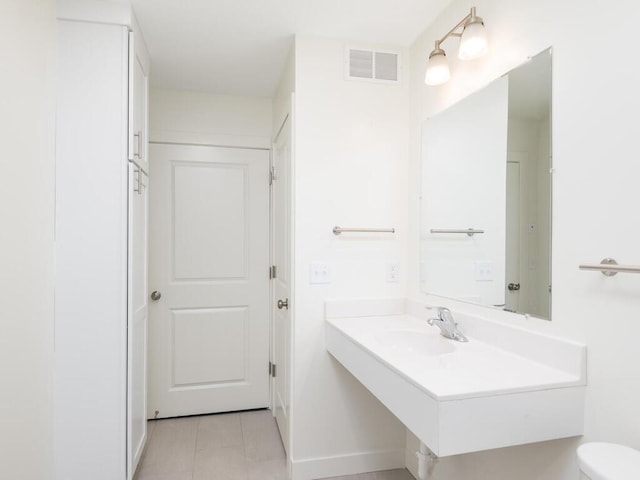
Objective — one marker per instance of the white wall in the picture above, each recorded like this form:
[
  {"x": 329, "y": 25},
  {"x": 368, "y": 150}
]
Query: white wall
[
  {"x": 351, "y": 150},
  {"x": 595, "y": 131},
  {"x": 180, "y": 116},
  {"x": 27, "y": 83}
]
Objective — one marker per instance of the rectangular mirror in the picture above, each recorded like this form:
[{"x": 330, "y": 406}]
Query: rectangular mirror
[{"x": 486, "y": 194}]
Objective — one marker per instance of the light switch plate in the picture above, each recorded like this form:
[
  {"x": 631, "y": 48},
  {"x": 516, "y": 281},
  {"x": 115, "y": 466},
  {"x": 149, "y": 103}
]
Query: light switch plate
[
  {"x": 319, "y": 273},
  {"x": 393, "y": 273},
  {"x": 484, "y": 271}
]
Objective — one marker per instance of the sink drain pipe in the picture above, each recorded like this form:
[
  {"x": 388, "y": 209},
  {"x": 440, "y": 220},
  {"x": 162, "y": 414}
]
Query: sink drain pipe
[{"x": 427, "y": 461}]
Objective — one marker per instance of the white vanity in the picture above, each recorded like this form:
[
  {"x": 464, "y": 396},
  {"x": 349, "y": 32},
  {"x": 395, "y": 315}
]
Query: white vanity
[{"x": 506, "y": 386}]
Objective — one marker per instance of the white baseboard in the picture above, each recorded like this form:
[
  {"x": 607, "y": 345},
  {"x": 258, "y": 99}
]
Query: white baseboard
[{"x": 334, "y": 466}]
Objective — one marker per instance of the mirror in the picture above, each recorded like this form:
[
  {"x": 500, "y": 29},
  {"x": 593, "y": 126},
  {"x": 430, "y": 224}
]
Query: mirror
[{"x": 486, "y": 194}]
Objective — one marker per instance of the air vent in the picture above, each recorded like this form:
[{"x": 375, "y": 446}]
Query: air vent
[{"x": 376, "y": 66}]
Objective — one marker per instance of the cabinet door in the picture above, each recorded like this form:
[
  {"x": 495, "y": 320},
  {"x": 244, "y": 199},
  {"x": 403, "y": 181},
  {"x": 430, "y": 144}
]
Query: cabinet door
[
  {"x": 138, "y": 102},
  {"x": 137, "y": 319}
]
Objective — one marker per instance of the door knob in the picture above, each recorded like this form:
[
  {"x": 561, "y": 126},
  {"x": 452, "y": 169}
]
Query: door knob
[
  {"x": 284, "y": 304},
  {"x": 156, "y": 295},
  {"x": 514, "y": 287}
]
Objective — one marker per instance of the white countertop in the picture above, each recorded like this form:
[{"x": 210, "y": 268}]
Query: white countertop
[{"x": 472, "y": 369}]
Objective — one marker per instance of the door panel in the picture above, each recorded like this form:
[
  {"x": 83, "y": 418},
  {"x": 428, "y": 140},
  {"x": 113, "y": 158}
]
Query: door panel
[
  {"x": 209, "y": 331},
  {"x": 225, "y": 227},
  {"x": 139, "y": 101},
  {"x": 137, "y": 315},
  {"x": 194, "y": 361}
]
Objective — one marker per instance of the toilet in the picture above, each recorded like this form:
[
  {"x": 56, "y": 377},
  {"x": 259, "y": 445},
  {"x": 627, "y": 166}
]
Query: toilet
[{"x": 608, "y": 461}]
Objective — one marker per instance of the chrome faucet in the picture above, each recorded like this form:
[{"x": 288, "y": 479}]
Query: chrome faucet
[{"x": 448, "y": 328}]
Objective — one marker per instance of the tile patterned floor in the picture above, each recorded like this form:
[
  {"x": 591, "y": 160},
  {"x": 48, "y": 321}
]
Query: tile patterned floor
[{"x": 231, "y": 446}]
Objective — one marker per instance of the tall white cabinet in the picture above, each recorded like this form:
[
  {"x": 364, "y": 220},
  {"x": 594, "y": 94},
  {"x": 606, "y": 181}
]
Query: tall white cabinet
[{"x": 101, "y": 242}]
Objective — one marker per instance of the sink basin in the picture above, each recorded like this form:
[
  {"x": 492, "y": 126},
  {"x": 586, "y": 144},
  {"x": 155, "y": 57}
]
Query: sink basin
[{"x": 413, "y": 342}]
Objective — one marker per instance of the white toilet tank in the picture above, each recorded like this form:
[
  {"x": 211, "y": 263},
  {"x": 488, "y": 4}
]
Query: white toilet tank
[{"x": 608, "y": 461}]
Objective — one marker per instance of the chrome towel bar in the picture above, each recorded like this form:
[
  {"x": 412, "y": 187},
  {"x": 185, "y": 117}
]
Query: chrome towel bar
[
  {"x": 609, "y": 267},
  {"x": 339, "y": 230},
  {"x": 469, "y": 231}
]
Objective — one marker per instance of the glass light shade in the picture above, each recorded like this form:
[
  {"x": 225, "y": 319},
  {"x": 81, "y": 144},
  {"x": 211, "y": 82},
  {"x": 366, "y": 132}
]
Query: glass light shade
[
  {"x": 473, "y": 43},
  {"x": 437, "y": 69}
]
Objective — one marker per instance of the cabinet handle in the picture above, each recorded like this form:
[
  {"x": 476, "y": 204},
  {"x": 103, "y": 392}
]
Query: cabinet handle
[
  {"x": 137, "y": 145},
  {"x": 137, "y": 181}
]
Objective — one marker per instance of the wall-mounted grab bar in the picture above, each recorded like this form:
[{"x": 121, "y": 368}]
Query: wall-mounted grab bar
[
  {"x": 609, "y": 267},
  {"x": 469, "y": 231},
  {"x": 339, "y": 230}
]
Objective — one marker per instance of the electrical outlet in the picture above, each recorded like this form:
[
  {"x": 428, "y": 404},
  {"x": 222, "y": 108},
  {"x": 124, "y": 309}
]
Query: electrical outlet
[
  {"x": 319, "y": 273},
  {"x": 484, "y": 271},
  {"x": 393, "y": 273}
]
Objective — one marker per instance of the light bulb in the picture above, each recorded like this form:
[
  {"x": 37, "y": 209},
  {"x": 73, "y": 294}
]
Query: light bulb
[
  {"x": 437, "y": 68},
  {"x": 473, "y": 43}
]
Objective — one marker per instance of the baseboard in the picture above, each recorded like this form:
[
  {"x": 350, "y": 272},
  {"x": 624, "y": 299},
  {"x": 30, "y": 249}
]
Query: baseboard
[{"x": 334, "y": 466}]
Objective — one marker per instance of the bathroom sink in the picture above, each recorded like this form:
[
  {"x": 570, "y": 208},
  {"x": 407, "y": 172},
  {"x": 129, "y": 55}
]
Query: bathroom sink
[
  {"x": 411, "y": 341},
  {"x": 506, "y": 386}
]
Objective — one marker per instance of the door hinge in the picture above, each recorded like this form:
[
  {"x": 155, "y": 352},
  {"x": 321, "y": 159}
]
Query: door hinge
[
  {"x": 272, "y": 369},
  {"x": 272, "y": 175},
  {"x": 272, "y": 272}
]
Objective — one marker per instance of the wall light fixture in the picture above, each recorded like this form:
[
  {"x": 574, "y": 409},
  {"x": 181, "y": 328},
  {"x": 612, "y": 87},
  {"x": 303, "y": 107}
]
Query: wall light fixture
[{"x": 473, "y": 44}]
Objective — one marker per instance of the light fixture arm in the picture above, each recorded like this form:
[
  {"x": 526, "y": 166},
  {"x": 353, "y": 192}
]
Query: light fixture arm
[{"x": 462, "y": 23}]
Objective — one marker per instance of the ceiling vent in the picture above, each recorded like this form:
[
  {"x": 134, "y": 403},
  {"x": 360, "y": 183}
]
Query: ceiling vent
[{"x": 372, "y": 65}]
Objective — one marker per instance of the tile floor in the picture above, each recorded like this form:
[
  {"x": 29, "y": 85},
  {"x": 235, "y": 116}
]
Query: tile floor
[{"x": 231, "y": 446}]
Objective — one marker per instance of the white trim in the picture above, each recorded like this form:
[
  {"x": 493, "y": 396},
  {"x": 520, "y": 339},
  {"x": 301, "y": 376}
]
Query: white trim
[
  {"x": 206, "y": 145},
  {"x": 337, "y": 465},
  {"x": 196, "y": 138}
]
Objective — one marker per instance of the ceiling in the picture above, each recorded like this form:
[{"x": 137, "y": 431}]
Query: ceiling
[{"x": 239, "y": 47}]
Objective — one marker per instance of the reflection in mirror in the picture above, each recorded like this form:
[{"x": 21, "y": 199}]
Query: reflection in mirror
[{"x": 486, "y": 165}]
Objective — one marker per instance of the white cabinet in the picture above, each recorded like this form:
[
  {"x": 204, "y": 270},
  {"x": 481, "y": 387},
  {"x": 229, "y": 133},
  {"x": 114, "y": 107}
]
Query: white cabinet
[
  {"x": 101, "y": 243},
  {"x": 138, "y": 105},
  {"x": 138, "y": 251},
  {"x": 137, "y": 316}
]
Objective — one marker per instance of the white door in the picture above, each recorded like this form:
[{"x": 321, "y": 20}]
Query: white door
[
  {"x": 137, "y": 317},
  {"x": 513, "y": 273},
  {"x": 282, "y": 283},
  {"x": 209, "y": 263}
]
